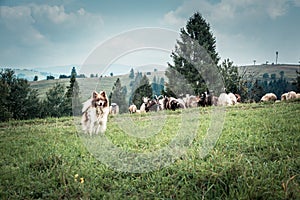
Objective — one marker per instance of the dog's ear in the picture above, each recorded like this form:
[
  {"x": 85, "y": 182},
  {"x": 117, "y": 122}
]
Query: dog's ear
[
  {"x": 103, "y": 93},
  {"x": 94, "y": 95}
]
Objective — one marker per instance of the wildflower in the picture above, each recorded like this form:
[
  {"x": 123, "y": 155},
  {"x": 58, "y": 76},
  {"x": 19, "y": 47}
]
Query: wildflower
[
  {"x": 81, "y": 180},
  {"x": 75, "y": 177}
]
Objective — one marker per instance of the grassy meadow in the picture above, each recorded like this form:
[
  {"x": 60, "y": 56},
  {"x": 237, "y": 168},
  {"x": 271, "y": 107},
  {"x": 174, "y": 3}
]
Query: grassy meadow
[{"x": 256, "y": 157}]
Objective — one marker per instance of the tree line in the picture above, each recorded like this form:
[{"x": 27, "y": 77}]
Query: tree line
[{"x": 19, "y": 101}]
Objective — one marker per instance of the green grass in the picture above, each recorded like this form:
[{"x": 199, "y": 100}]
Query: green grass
[{"x": 256, "y": 157}]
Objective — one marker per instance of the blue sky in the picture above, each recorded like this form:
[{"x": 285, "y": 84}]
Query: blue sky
[{"x": 63, "y": 32}]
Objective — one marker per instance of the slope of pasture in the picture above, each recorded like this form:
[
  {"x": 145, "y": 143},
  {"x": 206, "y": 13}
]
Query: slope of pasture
[
  {"x": 259, "y": 70},
  {"x": 88, "y": 85},
  {"x": 256, "y": 157}
]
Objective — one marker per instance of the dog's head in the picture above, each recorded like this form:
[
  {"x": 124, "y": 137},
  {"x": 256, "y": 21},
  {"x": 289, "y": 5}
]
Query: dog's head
[{"x": 99, "y": 99}]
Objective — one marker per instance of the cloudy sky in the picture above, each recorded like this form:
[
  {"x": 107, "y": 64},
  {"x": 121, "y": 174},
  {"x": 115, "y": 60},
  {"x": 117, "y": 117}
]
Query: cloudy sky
[{"x": 63, "y": 32}]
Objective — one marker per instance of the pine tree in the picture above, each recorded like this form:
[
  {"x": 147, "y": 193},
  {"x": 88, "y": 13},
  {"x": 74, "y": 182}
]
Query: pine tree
[
  {"x": 134, "y": 85},
  {"x": 118, "y": 96},
  {"x": 143, "y": 90},
  {"x": 131, "y": 74},
  {"x": 18, "y": 99},
  {"x": 230, "y": 76},
  {"x": 54, "y": 105},
  {"x": 72, "y": 104},
  {"x": 193, "y": 59}
]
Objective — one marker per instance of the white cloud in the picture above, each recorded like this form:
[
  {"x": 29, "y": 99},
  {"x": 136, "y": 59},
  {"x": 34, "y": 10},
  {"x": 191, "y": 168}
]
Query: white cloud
[
  {"x": 172, "y": 19},
  {"x": 41, "y": 22},
  {"x": 277, "y": 8},
  {"x": 55, "y": 14},
  {"x": 48, "y": 32},
  {"x": 228, "y": 11},
  {"x": 297, "y": 3}
]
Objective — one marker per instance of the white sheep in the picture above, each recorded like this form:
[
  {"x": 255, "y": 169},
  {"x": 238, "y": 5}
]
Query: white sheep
[
  {"x": 269, "y": 97},
  {"x": 114, "y": 109},
  {"x": 143, "y": 106},
  {"x": 224, "y": 100},
  {"x": 291, "y": 95},
  {"x": 132, "y": 109}
]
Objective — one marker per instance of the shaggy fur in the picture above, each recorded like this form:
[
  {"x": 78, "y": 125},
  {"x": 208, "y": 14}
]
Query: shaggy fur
[{"x": 95, "y": 113}]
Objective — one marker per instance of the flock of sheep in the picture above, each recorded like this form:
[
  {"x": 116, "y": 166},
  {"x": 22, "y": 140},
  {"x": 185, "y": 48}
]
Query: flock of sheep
[
  {"x": 191, "y": 101},
  {"x": 284, "y": 97}
]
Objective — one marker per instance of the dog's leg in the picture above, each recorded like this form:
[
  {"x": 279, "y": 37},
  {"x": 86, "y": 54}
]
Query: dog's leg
[
  {"x": 85, "y": 123},
  {"x": 103, "y": 126},
  {"x": 98, "y": 127}
]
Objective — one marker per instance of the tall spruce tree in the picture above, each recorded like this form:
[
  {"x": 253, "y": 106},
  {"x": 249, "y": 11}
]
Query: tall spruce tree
[
  {"x": 193, "y": 58},
  {"x": 72, "y": 103},
  {"x": 118, "y": 96},
  {"x": 144, "y": 89},
  {"x": 131, "y": 73},
  {"x": 54, "y": 105}
]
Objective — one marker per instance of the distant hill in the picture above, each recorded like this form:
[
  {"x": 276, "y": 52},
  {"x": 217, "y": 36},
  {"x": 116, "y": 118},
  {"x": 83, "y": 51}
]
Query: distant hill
[
  {"x": 29, "y": 74},
  {"x": 88, "y": 85},
  {"x": 259, "y": 70}
]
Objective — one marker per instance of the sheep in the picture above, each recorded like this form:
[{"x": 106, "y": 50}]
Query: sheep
[
  {"x": 143, "y": 106},
  {"x": 269, "y": 97},
  {"x": 132, "y": 109},
  {"x": 291, "y": 95},
  {"x": 298, "y": 96},
  {"x": 284, "y": 96},
  {"x": 172, "y": 103},
  {"x": 152, "y": 105},
  {"x": 192, "y": 101},
  {"x": 238, "y": 98},
  {"x": 232, "y": 98},
  {"x": 181, "y": 103},
  {"x": 224, "y": 100},
  {"x": 206, "y": 99},
  {"x": 214, "y": 100},
  {"x": 114, "y": 109}
]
